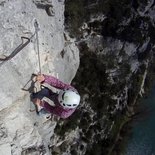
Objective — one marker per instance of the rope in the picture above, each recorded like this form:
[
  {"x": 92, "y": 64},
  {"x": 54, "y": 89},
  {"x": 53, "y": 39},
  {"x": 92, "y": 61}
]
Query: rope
[{"x": 37, "y": 38}]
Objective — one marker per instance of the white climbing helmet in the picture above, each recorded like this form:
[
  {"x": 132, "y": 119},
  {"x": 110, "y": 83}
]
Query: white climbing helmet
[{"x": 69, "y": 98}]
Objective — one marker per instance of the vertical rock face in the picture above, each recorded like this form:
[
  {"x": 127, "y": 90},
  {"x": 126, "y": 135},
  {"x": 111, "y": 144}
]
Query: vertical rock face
[
  {"x": 116, "y": 41},
  {"x": 23, "y": 132}
]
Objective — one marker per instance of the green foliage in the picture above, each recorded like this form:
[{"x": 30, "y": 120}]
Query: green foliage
[
  {"x": 149, "y": 81},
  {"x": 92, "y": 78},
  {"x": 74, "y": 15},
  {"x": 68, "y": 125},
  {"x": 55, "y": 153},
  {"x": 114, "y": 9},
  {"x": 95, "y": 149},
  {"x": 74, "y": 152},
  {"x": 79, "y": 11}
]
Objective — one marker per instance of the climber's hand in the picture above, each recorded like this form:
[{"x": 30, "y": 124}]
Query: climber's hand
[{"x": 40, "y": 78}]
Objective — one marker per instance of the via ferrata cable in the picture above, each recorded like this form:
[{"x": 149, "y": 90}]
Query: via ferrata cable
[{"x": 37, "y": 39}]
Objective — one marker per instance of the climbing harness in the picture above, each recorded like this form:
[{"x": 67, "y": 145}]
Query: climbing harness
[
  {"x": 30, "y": 89},
  {"x": 32, "y": 107}
]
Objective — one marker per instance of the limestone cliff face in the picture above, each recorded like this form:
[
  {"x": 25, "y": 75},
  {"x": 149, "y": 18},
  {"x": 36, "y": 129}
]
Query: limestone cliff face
[{"x": 22, "y": 131}]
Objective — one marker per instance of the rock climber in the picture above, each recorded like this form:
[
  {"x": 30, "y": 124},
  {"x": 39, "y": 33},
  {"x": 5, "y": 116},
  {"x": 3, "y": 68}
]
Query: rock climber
[{"x": 65, "y": 101}]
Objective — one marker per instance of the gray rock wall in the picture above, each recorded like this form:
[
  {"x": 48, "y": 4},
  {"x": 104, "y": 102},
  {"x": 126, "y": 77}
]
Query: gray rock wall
[{"x": 23, "y": 132}]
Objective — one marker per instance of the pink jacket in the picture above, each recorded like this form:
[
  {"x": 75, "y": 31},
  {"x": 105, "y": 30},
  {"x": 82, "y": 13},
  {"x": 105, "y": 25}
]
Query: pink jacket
[{"x": 58, "y": 109}]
